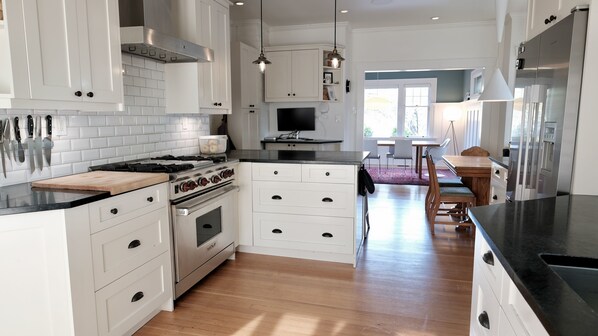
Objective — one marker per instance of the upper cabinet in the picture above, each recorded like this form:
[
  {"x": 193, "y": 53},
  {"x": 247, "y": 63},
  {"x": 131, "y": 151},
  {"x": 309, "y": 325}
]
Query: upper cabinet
[
  {"x": 250, "y": 78},
  {"x": 203, "y": 87},
  {"x": 302, "y": 73},
  {"x": 544, "y": 13},
  {"x": 61, "y": 54}
]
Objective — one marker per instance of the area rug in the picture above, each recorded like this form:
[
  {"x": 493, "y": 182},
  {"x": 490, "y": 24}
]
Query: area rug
[{"x": 400, "y": 175}]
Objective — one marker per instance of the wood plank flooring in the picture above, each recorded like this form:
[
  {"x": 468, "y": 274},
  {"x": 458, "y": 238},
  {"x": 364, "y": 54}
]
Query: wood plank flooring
[{"x": 406, "y": 283}]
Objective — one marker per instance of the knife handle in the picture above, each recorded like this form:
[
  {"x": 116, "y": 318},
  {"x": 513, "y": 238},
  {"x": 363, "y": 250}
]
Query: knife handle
[
  {"x": 49, "y": 124},
  {"x": 17, "y": 130},
  {"x": 30, "y": 126}
]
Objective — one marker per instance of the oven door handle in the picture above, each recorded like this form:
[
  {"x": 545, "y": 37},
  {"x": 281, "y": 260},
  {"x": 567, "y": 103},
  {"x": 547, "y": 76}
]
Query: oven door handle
[{"x": 190, "y": 206}]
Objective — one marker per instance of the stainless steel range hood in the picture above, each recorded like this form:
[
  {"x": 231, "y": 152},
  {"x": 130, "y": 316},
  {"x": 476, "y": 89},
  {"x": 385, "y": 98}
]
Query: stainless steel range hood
[{"x": 147, "y": 30}]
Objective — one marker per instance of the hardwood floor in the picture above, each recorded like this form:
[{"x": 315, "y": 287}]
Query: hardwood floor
[{"x": 406, "y": 283}]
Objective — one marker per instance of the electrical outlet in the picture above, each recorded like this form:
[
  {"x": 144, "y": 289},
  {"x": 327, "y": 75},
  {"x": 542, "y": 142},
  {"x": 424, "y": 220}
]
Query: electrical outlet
[{"x": 59, "y": 125}]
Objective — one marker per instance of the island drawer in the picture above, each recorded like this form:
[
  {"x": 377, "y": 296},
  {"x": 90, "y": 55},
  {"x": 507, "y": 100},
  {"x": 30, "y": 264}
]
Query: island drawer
[
  {"x": 485, "y": 308},
  {"x": 304, "y": 198},
  {"x": 328, "y": 173},
  {"x": 128, "y": 301},
  {"x": 118, "y": 209},
  {"x": 276, "y": 172},
  {"x": 122, "y": 248},
  {"x": 499, "y": 174},
  {"x": 300, "y": 232},
  {"x": 488, "y": 264}
]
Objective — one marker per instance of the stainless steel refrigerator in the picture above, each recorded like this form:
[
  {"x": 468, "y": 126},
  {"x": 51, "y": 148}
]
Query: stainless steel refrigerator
[{"x": 545, "y": 110}]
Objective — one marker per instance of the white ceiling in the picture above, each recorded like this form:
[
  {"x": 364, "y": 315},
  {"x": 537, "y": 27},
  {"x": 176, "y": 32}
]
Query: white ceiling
[{"x": 371, "y": 13}]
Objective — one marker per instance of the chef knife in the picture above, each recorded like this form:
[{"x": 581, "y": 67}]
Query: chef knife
[
  {"x": 7, "y": 138},
  {"x": 17, "y": 145},
  {"x": 30, "y": 143},
  {"x": 48, "y": 143},
  {"x": 37, "y": 144},
  {"x": 2, "y": 127}
]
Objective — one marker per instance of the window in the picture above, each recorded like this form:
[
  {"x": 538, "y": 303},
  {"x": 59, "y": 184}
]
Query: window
[{"x": 398, "y": 107}]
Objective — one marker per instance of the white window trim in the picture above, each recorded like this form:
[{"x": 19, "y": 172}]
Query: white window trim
[{"x": 401, "y": 84}]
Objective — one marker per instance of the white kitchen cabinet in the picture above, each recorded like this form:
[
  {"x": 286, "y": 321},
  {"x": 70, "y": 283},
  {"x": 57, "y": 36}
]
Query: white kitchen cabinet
[
  {"x": 61, "y": 54},
  {"x": 542, "y": 14},
  {"x": 64, "y": 278},
  {"x": 497, "y": 306},
  {"x": 249, "y": 77},
  {"x": 307, "y": 211},
  {"x": 294, "y": 75},
  {"x": 498, "y": 184}
]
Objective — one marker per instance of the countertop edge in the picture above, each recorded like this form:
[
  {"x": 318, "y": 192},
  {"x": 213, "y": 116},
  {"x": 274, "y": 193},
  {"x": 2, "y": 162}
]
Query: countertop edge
[
  {"x": 501, "y": 162},
  {"x": 54, "y": 206}
]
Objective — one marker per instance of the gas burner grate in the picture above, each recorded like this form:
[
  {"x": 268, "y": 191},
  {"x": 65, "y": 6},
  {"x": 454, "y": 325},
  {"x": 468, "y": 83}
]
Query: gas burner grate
[
  {"x": 147, "y": 167},
  {"x": 214, "y": 159}
]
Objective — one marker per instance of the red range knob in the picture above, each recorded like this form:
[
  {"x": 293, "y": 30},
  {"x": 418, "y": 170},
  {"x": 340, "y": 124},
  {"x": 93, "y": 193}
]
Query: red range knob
[
  {"x": 215, "y": 179},
  {"x": 183, "y": 186},
  {"x": 203, "y": 181},
  {"x": 191, "y": 185}
]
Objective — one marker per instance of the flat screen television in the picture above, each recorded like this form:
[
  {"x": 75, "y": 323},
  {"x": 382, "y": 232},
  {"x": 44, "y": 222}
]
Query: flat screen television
[{"x": 296, "y": 119}]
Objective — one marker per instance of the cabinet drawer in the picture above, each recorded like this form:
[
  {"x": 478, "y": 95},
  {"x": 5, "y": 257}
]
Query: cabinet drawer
[
  {"x": 498, "y": 193},
  {"x": 499, "y": 174},
  {"x": 485, "y": 309},
  {"x": 115, "y": 210},
  {"x": 488, "y": 264},
  {"x": 304, "y": 198},
  {"x": 311, "y": 233},
  {"x": 276, "y": 172},
  {"x": 520, "y": 315},
  {"x": 129, "y": 300},
  {"x": 328, "y": 173},
  {"x": 122, "y": 248}
]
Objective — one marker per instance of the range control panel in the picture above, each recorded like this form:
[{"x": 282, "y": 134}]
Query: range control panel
[{"x": 200, "y": 180}]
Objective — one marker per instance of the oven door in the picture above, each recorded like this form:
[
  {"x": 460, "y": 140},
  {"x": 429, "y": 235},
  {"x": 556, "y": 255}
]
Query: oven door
[{"x": 203, "y": 226}]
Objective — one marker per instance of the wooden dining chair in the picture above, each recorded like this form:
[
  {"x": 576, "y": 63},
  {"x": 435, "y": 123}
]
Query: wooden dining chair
[
  {"x": 449, "y": 202},
  {"x": 435, "y": 153},
  {"x": 475, "y": 151}
]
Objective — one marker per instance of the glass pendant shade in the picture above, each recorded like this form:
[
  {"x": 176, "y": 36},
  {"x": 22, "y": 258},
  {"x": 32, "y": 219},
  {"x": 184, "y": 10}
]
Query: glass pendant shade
[{"x": 261, "y": 62}]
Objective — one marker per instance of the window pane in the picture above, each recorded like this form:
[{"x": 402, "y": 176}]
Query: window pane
[
  {"x": 416, "y": 121},
  {"x": 380, "y": 115}
]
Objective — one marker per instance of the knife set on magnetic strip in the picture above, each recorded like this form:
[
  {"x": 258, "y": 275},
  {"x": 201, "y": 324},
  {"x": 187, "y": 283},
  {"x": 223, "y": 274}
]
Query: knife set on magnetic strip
[{"x": 13, "y": 148}]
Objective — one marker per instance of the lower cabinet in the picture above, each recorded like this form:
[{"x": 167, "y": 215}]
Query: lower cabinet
[
  {"x": 77, "y": 272},
  {"x": 498, "y": 184},
  {"x": 497, "y": 306}
]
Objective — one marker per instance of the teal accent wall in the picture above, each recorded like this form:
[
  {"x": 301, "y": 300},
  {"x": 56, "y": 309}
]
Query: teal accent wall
[{"x": 449, "y": 83}]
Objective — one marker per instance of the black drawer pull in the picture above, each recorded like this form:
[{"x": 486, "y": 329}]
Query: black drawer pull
[
  {"x": 327, "y": 174},
  {"x": 150, "y": 199},
  {"x": 277, "y": 231},
  {"x": 327, "y": 235},
  {"x": 497, "y": 172},
  {"x": 135, "y": 243},
  {"x": 488, "y": 258},
  {"x": 327, "y": 200},
  {"x": 276, "y": 197},
  {"x": 276, "y": 172},
  {"x": 138, "y": 296},
  {"x": 114, "y": 211},
  {"x": 484, "y": 320},
  {"x": 207, "y": 226},
  {"x": 495, "y": 197}
]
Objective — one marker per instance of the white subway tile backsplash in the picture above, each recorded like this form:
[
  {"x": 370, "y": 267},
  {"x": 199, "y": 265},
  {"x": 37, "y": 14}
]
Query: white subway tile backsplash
[{"x": 93, "y": 138}]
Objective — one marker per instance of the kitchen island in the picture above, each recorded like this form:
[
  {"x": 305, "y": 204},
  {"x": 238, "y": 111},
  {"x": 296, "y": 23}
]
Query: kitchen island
[
  {"x": 301, "y": 204},
  {"x": 525, "y": 237}
]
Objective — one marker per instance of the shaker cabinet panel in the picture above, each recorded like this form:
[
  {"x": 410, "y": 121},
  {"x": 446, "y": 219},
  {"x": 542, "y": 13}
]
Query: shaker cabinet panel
[{"x": 293, "y": 76}]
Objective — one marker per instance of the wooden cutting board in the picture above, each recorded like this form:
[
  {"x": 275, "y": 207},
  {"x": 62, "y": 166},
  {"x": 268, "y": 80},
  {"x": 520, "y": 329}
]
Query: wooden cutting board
[{"x": 113, "y": 182}]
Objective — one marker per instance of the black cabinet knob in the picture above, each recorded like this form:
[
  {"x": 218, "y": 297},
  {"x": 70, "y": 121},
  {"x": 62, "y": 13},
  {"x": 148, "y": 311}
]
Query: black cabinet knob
[
  {"x": 251, "y": 105},
  {"x": 78, "y": 93},
  {"x": 90, "y": 94},
  {"x": 114, "y": 211},
  {"x": 488, "y": 258},
  {"x": 547, "y": 21},
  {"x": 497, "y": 172},
  {"x": 288, "y": 94},
  {"x": 215, "y": 104},
  {"x": 276, "y": 172},
  {"x": 495, "y": 197},
  {"x": 293, "y": 95},
  {"x": 150, "y": 199},
  {"x": 484, "y": 320},
  {"x": 327, "y": 174}
]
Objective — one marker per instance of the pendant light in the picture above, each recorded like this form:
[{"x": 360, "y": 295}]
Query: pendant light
[
  {"x": 261, "y": 61},
  {"x": 497, "y": 89},
  {"x": 334, "y": 56}
]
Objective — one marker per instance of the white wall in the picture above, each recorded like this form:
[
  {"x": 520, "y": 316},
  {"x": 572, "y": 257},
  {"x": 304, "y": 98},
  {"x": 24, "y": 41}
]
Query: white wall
[
  {"x": 450, "y": 46},
  {"x": 586, "y": 156},
  {"x": 93, "y": 138}
]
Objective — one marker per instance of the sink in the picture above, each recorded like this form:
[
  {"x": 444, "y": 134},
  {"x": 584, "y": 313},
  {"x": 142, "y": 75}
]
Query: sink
[{"x": 581, "y": 274}]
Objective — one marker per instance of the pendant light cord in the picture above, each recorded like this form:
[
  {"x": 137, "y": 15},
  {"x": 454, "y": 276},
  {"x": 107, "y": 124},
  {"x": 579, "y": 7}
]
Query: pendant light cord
[
  {"x": 262, "y": 27},
  {"x": 334, "y": 24}
]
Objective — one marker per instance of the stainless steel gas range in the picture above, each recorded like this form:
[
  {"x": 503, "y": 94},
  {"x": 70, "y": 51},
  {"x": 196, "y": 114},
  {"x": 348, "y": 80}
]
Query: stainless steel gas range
[{"x": 203, "y": 211}]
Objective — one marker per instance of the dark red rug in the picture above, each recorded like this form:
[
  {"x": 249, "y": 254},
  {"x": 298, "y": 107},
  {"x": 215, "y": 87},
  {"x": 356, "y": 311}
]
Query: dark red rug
[{"x": 394, "y": 175}]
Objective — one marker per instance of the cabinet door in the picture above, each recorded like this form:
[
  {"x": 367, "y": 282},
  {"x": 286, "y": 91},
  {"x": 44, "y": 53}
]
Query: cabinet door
[
  {"x": 250, "y": 77},
  {"x": 538, "y": 12},
  {"x": 52, "y": 49},
  {"x": 205, "y": 38},
  {"x": 306, "y": 75},
  {"x": 221, "y": 66},
  {"x": 251, "y": 138},
  {"x": 278, "y": 76},
  {"x": 101, "y": 63}
]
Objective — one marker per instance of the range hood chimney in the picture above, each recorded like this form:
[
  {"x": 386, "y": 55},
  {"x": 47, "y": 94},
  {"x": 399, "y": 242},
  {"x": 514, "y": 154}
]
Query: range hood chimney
[{"x": 147, "y": 31}]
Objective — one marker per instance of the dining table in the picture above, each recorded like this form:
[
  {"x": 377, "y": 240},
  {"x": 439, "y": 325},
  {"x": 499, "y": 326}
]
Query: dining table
[
  {"x": 419, "y": 150},
  {"x": 475, "y": 172}
]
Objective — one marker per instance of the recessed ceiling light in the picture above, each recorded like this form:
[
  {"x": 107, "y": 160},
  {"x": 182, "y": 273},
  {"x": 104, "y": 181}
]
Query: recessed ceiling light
[
  {"x": 239, "y": 3},
  {"x": 434, "y": 18},
  {"x": 344, "y": 11}
]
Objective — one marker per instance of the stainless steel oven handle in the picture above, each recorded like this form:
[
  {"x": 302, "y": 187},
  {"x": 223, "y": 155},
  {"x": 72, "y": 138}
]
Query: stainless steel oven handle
[{"x": 194, "y": 204}]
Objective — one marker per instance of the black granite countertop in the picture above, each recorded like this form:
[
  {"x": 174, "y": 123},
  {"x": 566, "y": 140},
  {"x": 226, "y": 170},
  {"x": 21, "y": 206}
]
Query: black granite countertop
[
  {"x": 296, "y": 156},
  {"x": 519, "y": 232},
  {"x": 302, "y": 140},
  {"x": 503, "y": 161},
  {"x": 21, "y": 198}
]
